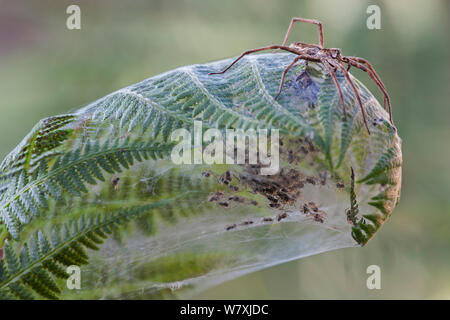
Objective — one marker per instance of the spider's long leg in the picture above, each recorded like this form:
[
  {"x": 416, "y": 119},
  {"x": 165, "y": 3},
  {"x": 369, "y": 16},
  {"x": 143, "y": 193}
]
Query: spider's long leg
[
  {"x": 374, "y": 76},
  {"x": 367, "y": 63},
  {"x": 253, "y": 51},
  {"x": 316, "y": 22},
  {"x": 355, "y": 91},
  {"x": 380, "y": 85},
  {"x": 338, "y": 87},
  {"x": 285, "y": 72}
]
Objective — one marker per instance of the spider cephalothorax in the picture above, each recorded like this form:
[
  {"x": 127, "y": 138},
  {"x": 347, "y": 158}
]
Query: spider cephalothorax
[{"x": 331, "y": 59}]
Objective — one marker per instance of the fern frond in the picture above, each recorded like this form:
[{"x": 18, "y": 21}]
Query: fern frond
[
  {"x": 34, "y": 268},
  {"x": 327, "y": 99},
  {"x": 388, "y": 160},
  {"x": 44, "y": 137},
  {"x": 74, "y": 174},
  {"x": 354, "y": 210},
  {"x": 347, "y": 131}
]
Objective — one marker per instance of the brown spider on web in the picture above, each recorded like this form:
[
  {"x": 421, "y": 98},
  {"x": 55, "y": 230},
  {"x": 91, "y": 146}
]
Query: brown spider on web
[{"x": 331, "y": 59}]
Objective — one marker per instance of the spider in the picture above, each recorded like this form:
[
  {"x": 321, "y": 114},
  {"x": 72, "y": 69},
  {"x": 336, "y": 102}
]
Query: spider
[{"x": 331, "y": 59}]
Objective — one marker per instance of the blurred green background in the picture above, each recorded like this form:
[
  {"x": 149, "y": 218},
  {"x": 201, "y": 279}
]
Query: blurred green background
[{"x": 46, "y": 69}]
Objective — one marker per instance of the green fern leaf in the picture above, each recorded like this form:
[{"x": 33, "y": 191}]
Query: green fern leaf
[
  {"x": 38, "y": 267},
  {"x": 71, "y": 172}
]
